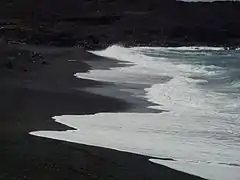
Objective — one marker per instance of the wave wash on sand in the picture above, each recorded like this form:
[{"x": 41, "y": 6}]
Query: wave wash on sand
[{"x": 199, "y": 130}]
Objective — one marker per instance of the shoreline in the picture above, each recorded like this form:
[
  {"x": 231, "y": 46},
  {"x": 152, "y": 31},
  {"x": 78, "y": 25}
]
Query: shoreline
[
  {"x": 28, "y": 101},
  {"x": 38, "y": 83}
]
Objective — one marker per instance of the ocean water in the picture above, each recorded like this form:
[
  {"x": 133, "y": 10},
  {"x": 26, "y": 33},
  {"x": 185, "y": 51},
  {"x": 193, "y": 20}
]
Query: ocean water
[{"x": 199, "y": 87}]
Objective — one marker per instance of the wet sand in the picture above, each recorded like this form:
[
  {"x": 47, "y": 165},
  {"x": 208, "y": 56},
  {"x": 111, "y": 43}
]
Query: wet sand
[{"x": 35, "y": 88}]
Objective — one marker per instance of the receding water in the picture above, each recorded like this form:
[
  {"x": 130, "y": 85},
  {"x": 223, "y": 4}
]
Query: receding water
[{"x": 199, "y": 89}]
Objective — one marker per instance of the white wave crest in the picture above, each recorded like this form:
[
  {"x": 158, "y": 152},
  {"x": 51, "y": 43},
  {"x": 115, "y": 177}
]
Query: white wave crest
[{"x": 185, "y": 48}]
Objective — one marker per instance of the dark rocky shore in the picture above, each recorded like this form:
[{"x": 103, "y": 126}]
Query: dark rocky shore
[{"x": 99, "y": 23}]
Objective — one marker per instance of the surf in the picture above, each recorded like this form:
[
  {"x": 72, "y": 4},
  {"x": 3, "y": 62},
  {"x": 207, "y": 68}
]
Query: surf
[{"x": 199, "y": 128}]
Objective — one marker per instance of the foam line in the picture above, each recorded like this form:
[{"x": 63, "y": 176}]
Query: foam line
[{"x": 201, "y": 128}]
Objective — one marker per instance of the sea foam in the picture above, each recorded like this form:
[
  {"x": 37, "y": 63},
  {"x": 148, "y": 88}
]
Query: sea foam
[{"x": 200, "y": 129}]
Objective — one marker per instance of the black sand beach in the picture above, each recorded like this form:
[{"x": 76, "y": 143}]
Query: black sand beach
[
  {"x": 36, "y": 82},
  {"x": 29, "y": 98}
]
